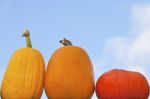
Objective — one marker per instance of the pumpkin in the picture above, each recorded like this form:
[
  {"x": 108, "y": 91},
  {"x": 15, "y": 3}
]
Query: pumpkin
[
  {"x": 122, "y": 84},
  {"x": 69, "y": 73},
  {"x": 24, "y": 76}
]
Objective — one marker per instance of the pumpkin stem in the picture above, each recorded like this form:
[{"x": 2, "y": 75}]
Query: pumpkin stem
[
  {"x": 65, "y": 42},
  {"x": 26, "y": 34}
]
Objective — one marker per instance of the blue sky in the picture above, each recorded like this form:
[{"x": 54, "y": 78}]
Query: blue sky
[{"x": 115, "y": 33}]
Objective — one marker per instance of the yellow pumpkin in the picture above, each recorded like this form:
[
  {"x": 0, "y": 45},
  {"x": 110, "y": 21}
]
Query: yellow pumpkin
[
  {"x": 69, "y": 74},
  {"x": 24, "y": 76}
]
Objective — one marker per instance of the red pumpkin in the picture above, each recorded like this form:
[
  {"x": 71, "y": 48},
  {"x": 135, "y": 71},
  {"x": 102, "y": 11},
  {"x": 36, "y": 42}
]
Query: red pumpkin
[{"x": 122, "y": 84}]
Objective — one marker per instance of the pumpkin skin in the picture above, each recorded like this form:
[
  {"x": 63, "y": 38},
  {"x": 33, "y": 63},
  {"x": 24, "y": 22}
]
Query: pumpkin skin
[
  {"x": 69, "y": 74},
  {"x": 24, "y": 76},
  {"x": 122, "y": 84}
]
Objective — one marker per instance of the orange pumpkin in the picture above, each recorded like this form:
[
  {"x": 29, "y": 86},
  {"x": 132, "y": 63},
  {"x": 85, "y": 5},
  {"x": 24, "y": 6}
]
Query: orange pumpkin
[
  {"x": 24, "y": 76},
  {"x": 69, "y": 74},
  {"x": 122, "y": 84}
]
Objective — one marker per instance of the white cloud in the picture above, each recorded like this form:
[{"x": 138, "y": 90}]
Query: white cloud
[
  {"x": 133, "y": 51},
  {"x": 141, "y": 14}
]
